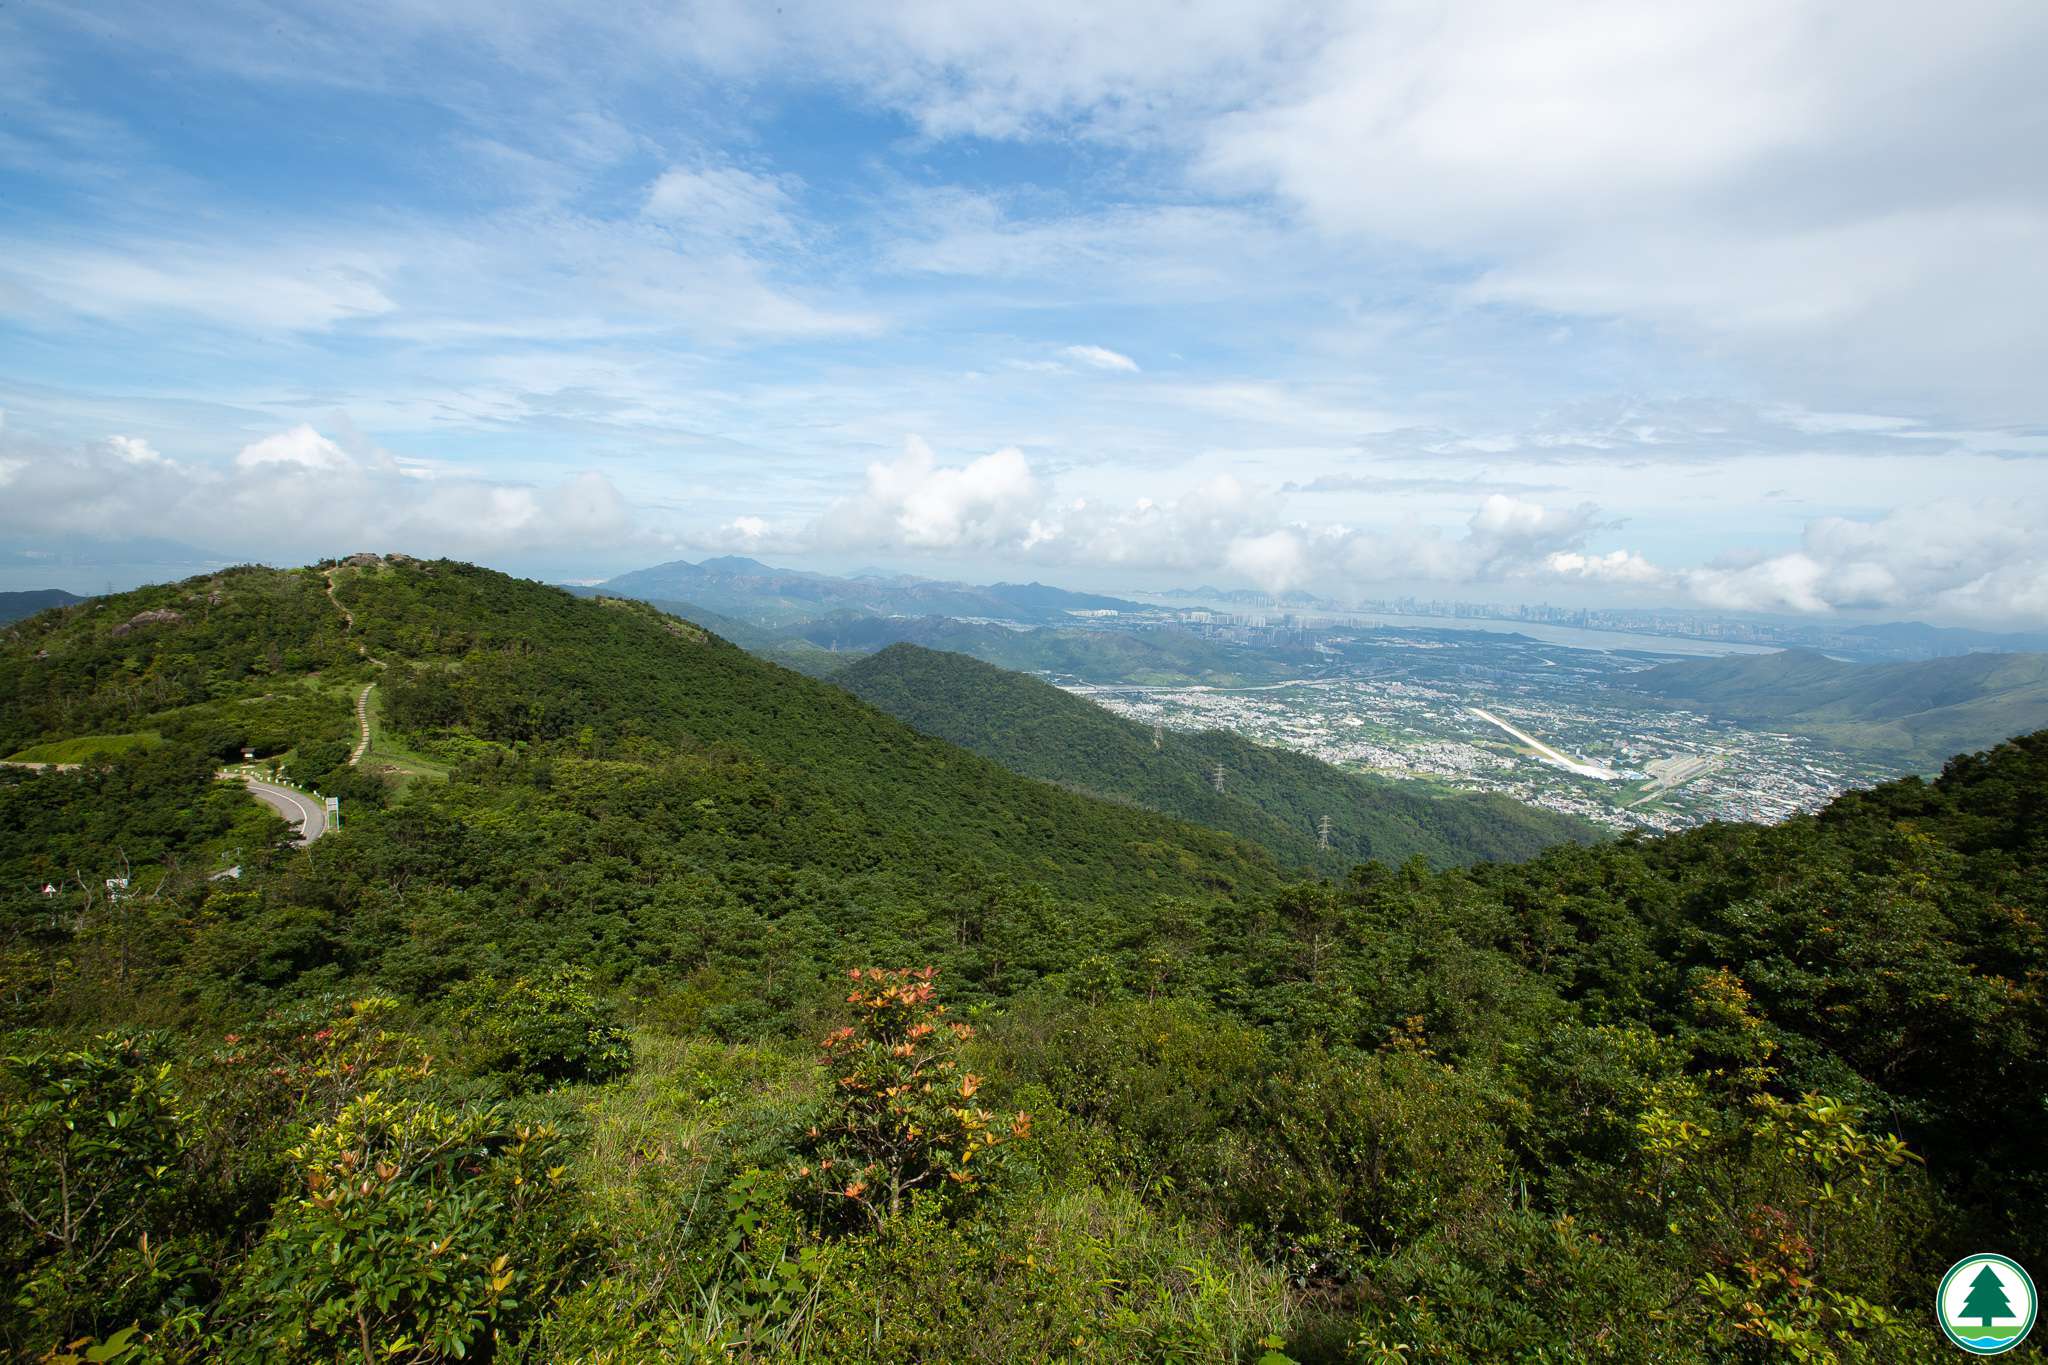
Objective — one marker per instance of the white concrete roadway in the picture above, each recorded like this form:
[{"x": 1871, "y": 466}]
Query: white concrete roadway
[{"x": 304, "y": 813}]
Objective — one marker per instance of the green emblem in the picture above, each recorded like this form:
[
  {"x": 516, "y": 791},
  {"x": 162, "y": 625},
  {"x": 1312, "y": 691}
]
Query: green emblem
[{"x": 1986, "y": 1304}]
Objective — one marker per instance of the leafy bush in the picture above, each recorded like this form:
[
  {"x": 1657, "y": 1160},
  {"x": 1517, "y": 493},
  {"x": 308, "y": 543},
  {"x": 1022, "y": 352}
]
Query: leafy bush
[
  {"x": 901, "y": 1118},
  {"x": 543, "y": 1032},
  {"x": 92, "y": 1149},
  {"x": 422, "y": 1233},
  {"x": 1353, "y": 1160},
  {"x": 314, "y": 763},
  {"x": 1166, "y": 1077}
]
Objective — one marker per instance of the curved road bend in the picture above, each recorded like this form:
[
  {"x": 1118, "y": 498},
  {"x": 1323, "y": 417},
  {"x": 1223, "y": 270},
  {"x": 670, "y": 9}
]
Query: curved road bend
[{"x": 304, "y": 813}]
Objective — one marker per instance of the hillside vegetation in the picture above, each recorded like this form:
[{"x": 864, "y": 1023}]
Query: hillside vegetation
[
  {"x": 1271, "y": 796},
  {"x": 705, "y": 1012},
  {"x": 1157, "y": 656},
  {"x": 1912, "y": 714}
]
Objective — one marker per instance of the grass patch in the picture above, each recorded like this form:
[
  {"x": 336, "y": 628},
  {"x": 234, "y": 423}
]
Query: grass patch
[
  {"x": 387, "y": 755},
  {"x": 87, "y": 747}
]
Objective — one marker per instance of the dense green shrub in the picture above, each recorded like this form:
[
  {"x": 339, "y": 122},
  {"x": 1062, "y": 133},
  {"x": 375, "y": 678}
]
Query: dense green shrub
[
  {"x": 418, "y": 1233},
  {"x": 92, "y": 1165},
  {"x": 1166, "y": 1077},
  {"x": 1350, "y": 1160},
  {"x": 537, "y": 1032}
]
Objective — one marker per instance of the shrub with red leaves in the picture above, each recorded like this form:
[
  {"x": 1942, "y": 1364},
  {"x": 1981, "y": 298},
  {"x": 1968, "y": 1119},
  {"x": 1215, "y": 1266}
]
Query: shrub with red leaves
[{"x": 902, "y": 1117}]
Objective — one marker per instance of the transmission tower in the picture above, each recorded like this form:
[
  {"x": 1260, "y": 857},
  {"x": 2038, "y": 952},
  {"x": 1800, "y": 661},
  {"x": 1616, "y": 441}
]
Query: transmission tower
[
  {"x": 1158, "y": 736},
  {"x": 1216, "y": 778},
  {"x": 1323, "y": 834}
]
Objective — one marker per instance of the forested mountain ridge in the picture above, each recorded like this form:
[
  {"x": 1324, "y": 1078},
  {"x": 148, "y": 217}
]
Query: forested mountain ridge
[
  {"x": 763, "y": 595},
  {"x": 479, "y": 663},
  {"x": 1272, "y": 796},
  {"x": 16, "y": 605},
  {"x": 588, "y": 1052},
  {"x": 1914, "y": 714},
  {"x": 1155, "y": 655}
]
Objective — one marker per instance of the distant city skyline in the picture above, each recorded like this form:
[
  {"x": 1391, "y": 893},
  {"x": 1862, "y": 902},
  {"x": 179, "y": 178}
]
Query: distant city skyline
[{"x": 1734, "y": 307}]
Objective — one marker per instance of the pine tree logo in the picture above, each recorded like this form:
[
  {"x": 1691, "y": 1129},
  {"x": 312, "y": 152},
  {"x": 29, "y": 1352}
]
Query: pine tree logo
[{"x": 1986, "y": 1304}]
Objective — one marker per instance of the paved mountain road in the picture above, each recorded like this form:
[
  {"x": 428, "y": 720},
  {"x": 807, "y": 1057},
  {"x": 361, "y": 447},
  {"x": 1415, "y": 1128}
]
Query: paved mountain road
[{"x": 305, "y": 813}]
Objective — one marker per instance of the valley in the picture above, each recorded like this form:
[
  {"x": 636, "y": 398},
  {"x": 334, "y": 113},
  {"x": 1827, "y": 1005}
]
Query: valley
[{"x": 1444, "y": 708}]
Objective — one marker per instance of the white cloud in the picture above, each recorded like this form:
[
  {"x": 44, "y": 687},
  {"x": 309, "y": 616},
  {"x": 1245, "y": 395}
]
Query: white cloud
[
  {"x": 1101, "y": 357},
  {"x": 998, "y": 504},
  {"x": 1750, "y": 173},
  {"x": 299, "y": 493},
  {"x": 1622, "y": 568},
  {"x": 722, "y": 201},
  {"x": 301, "y": 446},
  {"x": 309, "y": 287},
  {"x": 1983, "y": 561},
  {"x": 915, "y": 502},
  {"x": 135, "y": 451},
  {"x": 1276, "y": 561}
]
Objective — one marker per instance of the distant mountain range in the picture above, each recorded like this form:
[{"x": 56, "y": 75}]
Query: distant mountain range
[
  {"x": 761, "y": 595},
  {"x": 1916, "y": 714},
  {"x": 825, "y": 611},
  {"x": 1907, "y": 640},
  {"x": 1273, "y": 797},
  {"x": 15, "y": 606}
]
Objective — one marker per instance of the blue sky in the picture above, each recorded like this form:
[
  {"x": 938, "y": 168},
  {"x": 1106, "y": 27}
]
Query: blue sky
[{"x": 1736, "y": 307}]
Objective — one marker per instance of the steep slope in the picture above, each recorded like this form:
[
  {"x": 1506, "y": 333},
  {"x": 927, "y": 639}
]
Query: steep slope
[
  {"x": 216, "y": 660},
  {"x": 1910, "y": 713},
  {"x": 644, "y": 716},
  {"x": 1158, "y": 655},
  {"x": 789, "y": 651},
  {"x": 1272, "y": 796}
]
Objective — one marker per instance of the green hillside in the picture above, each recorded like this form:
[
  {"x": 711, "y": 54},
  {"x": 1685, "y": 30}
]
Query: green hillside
[
  {"x": 704, "y": 1012},
  {"x": 658, "y": 721},
  {"x": 1912, "y": 714},
  {"x": 1271, "y": 796},
  {"x": 16, "y": 605},
  {"x": 1157, "y": 656}
]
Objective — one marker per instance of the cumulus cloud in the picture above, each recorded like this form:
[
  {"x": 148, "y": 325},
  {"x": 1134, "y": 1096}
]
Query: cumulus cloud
[
  {"x": 302, "y": 447},
  {"x": 1622, "y": 568},
  {"x": 1101, "y": 358},
  {"x": 135, "y": 451},
  {"x": 998, "y": 504},
  {"x": 915, "y": 502},
  {"x": 1983, "y": 561},
  {"x": 299, "y": 493}
]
